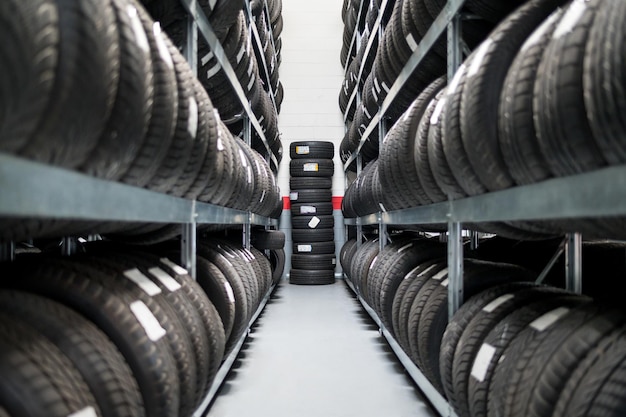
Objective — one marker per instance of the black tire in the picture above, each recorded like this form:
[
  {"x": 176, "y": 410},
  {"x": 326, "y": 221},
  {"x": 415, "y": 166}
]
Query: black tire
[
  {"x": 160, "y": 130},
  {"x": 517, "y": 136},
  {"x": 311, "y": 168},
  {"x": 277, "y": 259},
  {"x": 113, "y": 386},
  {"x": 314, "y": 183},
  {"x": 421, "y": 157},
  {"x": 268, "y": 239},
  {"x": 132, "y": 108},
  {"x": 605, "y": 107},
  {"x": 37, "y": 378},
  {"x": 85, "y": 290},
  {"x": 312, "y": 235},
  {"x": 563, "y": 130},
  {"x": 481, "y": 95},
  {"x": 308, "y": 277},
  {"x": 314, "y": 262},
  {"x": 310, "y": 196},
  {"x": 25, "y": 91},
  {"x": 315, "y": 248},
  {"x": 481, "y": 380},
  {"x": 312, "y": 149},
  {"x": 313, "y": 222},
  {"x": 308, "y": 209},
  {"x": 84, "y": 85}
]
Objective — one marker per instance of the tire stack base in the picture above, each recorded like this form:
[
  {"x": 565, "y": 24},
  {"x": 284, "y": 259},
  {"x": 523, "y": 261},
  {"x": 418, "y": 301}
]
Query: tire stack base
[{"x": 313, "y": 261}]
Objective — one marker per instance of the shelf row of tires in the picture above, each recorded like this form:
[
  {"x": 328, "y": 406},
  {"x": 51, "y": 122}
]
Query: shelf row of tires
[
  {"x": 230, "y": 24},
  {"x": 515, "y": 348},
  {"x": 311, "y": 168},
  {"x": 532, "y": 103},
  {"x": 117, "y": 331},
  {"x": 405, "y": 24},
  {"x": 115, "y": 99}
]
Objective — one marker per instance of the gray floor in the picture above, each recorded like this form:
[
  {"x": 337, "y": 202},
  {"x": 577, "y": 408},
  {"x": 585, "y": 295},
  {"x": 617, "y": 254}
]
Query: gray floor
[{"x": 315, "y": 352}]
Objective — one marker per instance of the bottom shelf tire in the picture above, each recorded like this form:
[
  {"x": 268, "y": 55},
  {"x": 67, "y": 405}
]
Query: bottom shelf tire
[{"x": 305, "y": 277}]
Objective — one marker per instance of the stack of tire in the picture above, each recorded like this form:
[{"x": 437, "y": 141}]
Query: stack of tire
[
  {"x": 117, "y": 331},
  {"x": 512, "y": 90},
  {"x": 133, "y": 112},
  {"x": 311, "y": 168}
]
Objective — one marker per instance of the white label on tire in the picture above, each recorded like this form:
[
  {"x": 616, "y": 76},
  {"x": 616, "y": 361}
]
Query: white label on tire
[
  {"x": 456, "y": 80},
  {"x": 305, "y": 248},
  {"x": 434, "y": 120},
  {"x": 439, "y": 275},
  {"x": 229, "y": 292},
  {"x": 570, "y": 18},
  {"x": 302, "y": 150},
  {"x": 142, "y": 282},
  {"x": 249, "y": 175},
  {"x": 161, "y": 46},
  {"x": 427, "y": 270},
  {"x": 150, "y": 324},
  {"x": 308, "y": 210},
  {"x": 140, "y": 34},
  {"x": 85, "y": 412},
  {"x": 178, "y": 270},
  {"x": 410, "y": 40},
  {"x": 213, "y": 70},
  {"x": 445, "y": 282},
  {"x": 541, "y": 30},
  {"x": 205, "y": 59},
  {"x": 382, "y": 208},
  {"x": 293, "y": 196},
  {"x": 250, "y": 69},
  {"x": 242, "y": 156},
  {"x": 334, "y": 261},
  {"x": 164, "y": 278},
  {"x": 548, "y": 319},
  {"x": 263, "y": 196},
  {"x": 492, "y": 306},
  {"x": 376, "y": 85},
  {"x": 192, "y": 122},
  {"x": 477, "y": 62},
  {"x": 251, "y": 83},
  {"x": 482, "y": 361},
  {"x": 311, "y": 167},
  {"x": 315, "y": 221},
  {"x": 240, "y": 53},
  {"x": 385, "y": 86}
]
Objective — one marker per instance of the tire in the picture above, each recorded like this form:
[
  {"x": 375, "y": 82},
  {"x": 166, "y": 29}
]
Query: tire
[
  {"x": 38, "y": 379},
  {"x": 481, "y": 381},
  {"x": 85, "y": 290},
  {"x": 481, "y": 95},
  {"x": 307, "y": 277},
  {"x": 160, "y": 130},
  {"x": 313, "y": 222},
  {"x": 84, "y": 88},
  {"x": 605, "y": 107},
  {"x": 25, "y": 89},
  {"x": 564, "y": 134},
  {"x": 311, "y": 149},
  {"x": 517, "y": 136},
  {"x": 310, "y": 196},
  {"x": 314, "y": 262},
  {"x": 308, "y": 209},
  {"x": 315, "y": 248},
  {"x": 313, "y": 183},
  {"x": 312, "y": 235},
  {"x": 311, "y": 168},
  {"x": 114, "y": 388},
  {"x": 421, "y": 157},
  {"x": 277, "y": 259},
  {"x": 268, "y": 239}
]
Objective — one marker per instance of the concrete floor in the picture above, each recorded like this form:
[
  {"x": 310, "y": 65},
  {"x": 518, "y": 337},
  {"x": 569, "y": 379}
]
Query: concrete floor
[{"x": 314, "y": 352}]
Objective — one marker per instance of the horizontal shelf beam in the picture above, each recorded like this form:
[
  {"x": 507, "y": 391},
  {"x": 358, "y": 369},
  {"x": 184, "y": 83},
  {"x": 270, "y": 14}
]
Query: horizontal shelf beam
[
  {"x": 593, "y": 194},
  {"x": 32, "y": 189}
]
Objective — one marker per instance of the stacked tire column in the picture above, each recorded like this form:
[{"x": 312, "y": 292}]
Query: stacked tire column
[{"x": 311, "y": 168}]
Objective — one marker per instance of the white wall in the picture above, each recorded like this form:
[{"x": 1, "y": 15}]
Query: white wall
[{"x": 311, "y": 73}]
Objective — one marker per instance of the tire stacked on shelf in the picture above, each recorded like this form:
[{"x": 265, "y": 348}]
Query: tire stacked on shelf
[
  {"x": 154, "y": 336},
  {"x": 313, "y": 261},
  {"x": 137, "y": 114}
]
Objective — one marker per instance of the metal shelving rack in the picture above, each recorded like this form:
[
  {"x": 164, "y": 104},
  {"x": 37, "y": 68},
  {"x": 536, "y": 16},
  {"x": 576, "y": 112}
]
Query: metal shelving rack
[
  {"x": 593, "y": 194},
  {"x": 66, "y": 194}
]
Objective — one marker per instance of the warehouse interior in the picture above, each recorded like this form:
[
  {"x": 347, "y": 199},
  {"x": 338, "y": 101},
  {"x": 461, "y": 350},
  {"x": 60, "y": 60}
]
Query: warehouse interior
[{"x": 220, "y": 208}]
